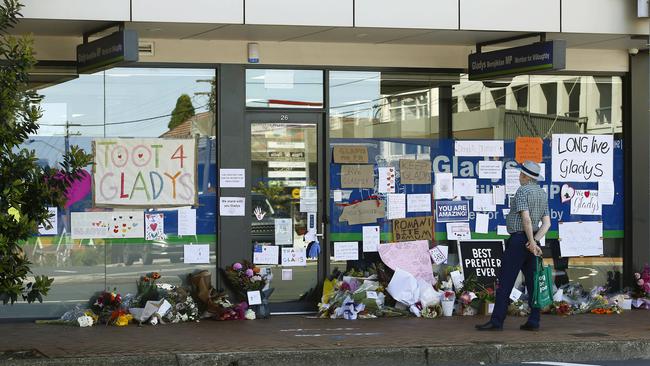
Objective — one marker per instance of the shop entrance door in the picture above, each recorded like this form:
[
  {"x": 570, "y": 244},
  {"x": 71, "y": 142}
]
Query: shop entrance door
[{"x": 286, "y": 211}]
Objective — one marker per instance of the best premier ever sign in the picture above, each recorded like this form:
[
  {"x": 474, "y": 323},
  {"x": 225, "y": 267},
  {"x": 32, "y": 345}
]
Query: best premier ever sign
[
  {"x": 144, "y": 172},
  {"x": 481, "y": 259}
]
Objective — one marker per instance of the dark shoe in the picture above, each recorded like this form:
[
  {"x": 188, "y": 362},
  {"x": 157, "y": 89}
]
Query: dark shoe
[
  {"x": 489, "y": 326},
  {"x": 529, "y": 327}
]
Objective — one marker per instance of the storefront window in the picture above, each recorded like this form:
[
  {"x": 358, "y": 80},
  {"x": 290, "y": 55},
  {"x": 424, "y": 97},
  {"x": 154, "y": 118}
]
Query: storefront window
[
  {"x": 277, "y": 88},
  {"x": 121, "y": 103}
]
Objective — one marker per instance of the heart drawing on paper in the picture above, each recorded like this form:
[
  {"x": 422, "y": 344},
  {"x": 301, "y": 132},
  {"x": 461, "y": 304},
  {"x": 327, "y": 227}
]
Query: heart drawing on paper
[
  {"x": 587, "y": 194},
  {"x": 153, "y": 226},
  {"x": 567, "y": 192}
]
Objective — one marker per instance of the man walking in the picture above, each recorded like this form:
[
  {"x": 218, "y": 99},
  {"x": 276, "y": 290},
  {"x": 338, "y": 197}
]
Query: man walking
[{"x": 527, "y": 209}]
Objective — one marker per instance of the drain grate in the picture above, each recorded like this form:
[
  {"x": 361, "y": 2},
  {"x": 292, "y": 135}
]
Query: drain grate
[
  {"x": 21, "y": 355},
  {"x": 589, "y": 334}
]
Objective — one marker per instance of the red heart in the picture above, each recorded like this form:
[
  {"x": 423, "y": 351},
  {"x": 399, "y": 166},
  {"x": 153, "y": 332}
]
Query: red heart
[
  {"x": 124, "y": 225},
  {"x": 115, "y": 231},
  {"x": 587, "y": 194},
  {"x": 119, "y": 156},
  {"x": 140, "y": 155},
  {"x": 153, "y": 226}
]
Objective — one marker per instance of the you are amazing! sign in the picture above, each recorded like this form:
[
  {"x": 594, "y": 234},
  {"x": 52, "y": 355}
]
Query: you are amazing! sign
[{"x": 144, "y": 172}]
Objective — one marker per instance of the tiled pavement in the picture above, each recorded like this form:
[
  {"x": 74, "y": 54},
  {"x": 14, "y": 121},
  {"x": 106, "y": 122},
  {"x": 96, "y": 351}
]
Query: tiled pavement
[{"x": 300, "y": 332}]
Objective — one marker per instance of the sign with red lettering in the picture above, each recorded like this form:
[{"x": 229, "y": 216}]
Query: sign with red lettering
[
  {"x": 144, "y": 172},
  {"x": 582, "y": 158}
]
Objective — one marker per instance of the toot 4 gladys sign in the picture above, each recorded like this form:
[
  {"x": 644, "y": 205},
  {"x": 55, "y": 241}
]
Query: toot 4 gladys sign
[
  {"x": 481, "y": 259},
  {"x": 144, "y": 172}
]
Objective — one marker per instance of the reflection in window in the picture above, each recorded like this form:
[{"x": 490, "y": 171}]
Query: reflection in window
[{"x": 284, "y": 88}]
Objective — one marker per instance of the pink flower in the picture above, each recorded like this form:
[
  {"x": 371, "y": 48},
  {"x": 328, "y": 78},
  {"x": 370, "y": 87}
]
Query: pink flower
[
  {"x": 646, "y": 287},
  {"x": 237, "y": 266},
  {"x": 637, "y": 276},
  {"x": 640, "y": 282},
  {"x": 249, "y": 272}
]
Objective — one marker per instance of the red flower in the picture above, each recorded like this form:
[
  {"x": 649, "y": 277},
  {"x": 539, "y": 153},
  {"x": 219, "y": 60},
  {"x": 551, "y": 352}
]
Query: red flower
[{"x": 145, "y": 279}]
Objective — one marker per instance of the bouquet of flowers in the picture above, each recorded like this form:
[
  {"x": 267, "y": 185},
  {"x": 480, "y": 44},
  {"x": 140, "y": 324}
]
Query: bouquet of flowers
[
  {"x": 642, "y": 283},
  {"x": 244, "y": 277},
  {"x": 183, "y": 308},
  {"x": 107, "y": 306},
  {"x": 147, "y": 289}
]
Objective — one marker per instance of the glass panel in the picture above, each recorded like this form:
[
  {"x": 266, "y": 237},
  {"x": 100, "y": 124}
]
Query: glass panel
[
  {"x": 284, "y": 176},
  {"x": 284, "y": 88},
  {"x": 124, "y": 102},
  {"x": 540, "y": 106}
]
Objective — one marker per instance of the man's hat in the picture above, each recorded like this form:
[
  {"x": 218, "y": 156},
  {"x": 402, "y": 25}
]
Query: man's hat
[{"x": 530, "y": 169}]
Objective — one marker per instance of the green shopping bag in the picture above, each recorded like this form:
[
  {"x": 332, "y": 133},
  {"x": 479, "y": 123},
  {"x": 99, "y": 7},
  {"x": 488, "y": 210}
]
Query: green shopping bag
[{"x": 543, "y": 284}]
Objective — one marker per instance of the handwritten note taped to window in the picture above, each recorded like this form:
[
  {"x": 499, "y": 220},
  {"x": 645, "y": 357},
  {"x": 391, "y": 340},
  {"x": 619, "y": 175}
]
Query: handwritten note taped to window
[
  {"x": 413, "y": 228},
  {"x": 528, "y": 148},
  {"x": 580, "y": 238},
  {"x": 582, "y": 158},
  {"x": 350, "y": 154},
  {"x": 415, "y": 171},
  {"x": 357, "y": 176},
  {"x": 364, "y": 212},
  {"x": 479, "y": 148}
]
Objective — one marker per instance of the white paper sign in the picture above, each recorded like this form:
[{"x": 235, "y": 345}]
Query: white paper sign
[
  {"x": 490, "y": 169},
  {"x": 308, "y": 201},
  {"x": 346, "y": 251},
  {"x": 444, "y": 187},
  {"x": 499, "y": 194},
  {"x": 371, "y": 294},
  {"x": 512, "y": 181},
  {"x": 254, "y": 298},
  {"x": 386, "y": 182},
  {"x": 457, "y": 279},
  {"x": 606, "y": 192},
  {"x": 154, "y": 226},
  {"x": 116, "y": 224},
  {"x": 482, "y": 223},
  {"x": 420, "y": 202},
  {"x": 396, "y": 206},
  {"x": 484, "y": 202},
  {"x": 287, "y": 274},
  {"x": 484, "y": 148},
  {"x": 197, "y": 253},
  {"x": 515, "y": 294},
  {"x": 232, "y": 206},
  {"x": 265, "y": 254},
  {"x": 458, "y": 231},
  {"x": 292, "y": 257},
  {"x": 232, "y": 178},
  {"x": 186, "y": 222},
  {"x": 146, "y": 172},
  {"x": 371, "y": 238},
  {"x": 53, "y": 227},
  {"x": 439, "y": 254},
  {"x": 582, "y": 158},
  {"x": 283, "y": 231},
  {"x": 502, "y": 230},
  {"x": 580, "y": 238},
  {"x": 542, "y": 171},
  {"x": 585, "y": 202},
  {"x": 338, "y": 195},
  {"x": 464, "y": 187}
]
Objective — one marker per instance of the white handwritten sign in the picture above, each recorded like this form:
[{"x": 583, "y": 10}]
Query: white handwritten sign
[
  {"x": 346, "y": 251},
  {"x": 580, "y": 238},
  {"x": 144, "y": 172},
  {"x": 479, "y": 148},
  {"x": 116, "y": 224},
  {"x": 582, "y": 158},
  {"x": 585, "y": 202}
]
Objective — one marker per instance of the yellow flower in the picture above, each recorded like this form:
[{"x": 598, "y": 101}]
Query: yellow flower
[
  {"x": 14, "y": 212},
  {"x": 123, "y": 320},
  {"x": 92, "y": 315}
]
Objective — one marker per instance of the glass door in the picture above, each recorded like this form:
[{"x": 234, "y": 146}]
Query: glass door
[{"x": 286, "y": 205}]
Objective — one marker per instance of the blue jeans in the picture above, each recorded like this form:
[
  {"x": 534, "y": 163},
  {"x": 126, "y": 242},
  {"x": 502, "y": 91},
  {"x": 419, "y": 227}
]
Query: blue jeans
[{"x": 515, "y": 258}]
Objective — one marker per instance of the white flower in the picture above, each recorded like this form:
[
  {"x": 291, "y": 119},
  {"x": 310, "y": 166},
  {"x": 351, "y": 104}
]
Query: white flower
[
  {"x": 250, "y": 314},
  {"x": 85, "y": 321},
  {"x": 153, "y": 321},
  {"x": 184, "y": 317}
]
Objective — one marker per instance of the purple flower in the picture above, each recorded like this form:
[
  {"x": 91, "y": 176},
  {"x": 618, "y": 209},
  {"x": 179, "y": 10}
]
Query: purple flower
[
  {"x": 237, "y": 266},
  {"x": 249, "y": 272}
]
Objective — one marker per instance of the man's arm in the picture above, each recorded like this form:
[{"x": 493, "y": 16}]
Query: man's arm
[
  {"x": 546, "y": 224},
  {"x": 528, "y": 229}
]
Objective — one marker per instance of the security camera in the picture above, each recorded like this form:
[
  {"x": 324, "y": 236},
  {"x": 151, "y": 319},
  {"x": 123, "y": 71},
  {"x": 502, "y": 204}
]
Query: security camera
[{"x": 633, "y": 51}]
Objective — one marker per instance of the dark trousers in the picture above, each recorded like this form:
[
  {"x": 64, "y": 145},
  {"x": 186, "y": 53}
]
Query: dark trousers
[{"x": 515, "y": 258}]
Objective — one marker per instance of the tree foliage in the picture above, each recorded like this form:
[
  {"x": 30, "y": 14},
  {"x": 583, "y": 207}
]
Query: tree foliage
[
  {"x": 26, "y": 189},
  {"x": 183, "y": 110}
]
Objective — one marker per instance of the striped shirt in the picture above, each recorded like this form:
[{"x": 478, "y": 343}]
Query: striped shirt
[{"x": 529, "y": 197}]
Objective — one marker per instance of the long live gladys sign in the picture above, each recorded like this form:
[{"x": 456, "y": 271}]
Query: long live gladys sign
[{"x": 144, "y": 172}]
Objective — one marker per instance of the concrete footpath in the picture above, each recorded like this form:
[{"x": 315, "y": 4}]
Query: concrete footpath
[{"x": 300, "y": 340}]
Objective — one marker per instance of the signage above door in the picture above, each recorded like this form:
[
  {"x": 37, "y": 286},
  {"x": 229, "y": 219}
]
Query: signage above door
[{"x": 107, "y": 52}]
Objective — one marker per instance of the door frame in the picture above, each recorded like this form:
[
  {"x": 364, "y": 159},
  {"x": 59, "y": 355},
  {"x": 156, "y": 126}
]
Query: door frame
[{"x": 315, "y": 117}]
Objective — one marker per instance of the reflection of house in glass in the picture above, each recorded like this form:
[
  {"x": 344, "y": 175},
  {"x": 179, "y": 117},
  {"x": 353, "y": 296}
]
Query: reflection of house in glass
[{"x": 202, "y": 124}]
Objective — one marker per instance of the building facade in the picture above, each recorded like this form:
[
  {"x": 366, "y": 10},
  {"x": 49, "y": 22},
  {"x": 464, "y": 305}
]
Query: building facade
[{"x": 391, "y": 77}]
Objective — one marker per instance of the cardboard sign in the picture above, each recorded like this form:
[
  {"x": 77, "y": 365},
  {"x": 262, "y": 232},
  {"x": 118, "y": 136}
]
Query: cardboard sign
[
  {"x": 144, "y": 172},
  {"x": 350, "y": 154},
  {"x": 528, "y": 148},
  {"x": 364, "y": 212},
  {"x": 410, "y": 256},
  {"x": 482, "y": 259},
  {"x": 582, "y": 158},
  {"x": 452, "y": 211},
  {"x": 413, "y": 228},
  {"x": 357, "y": 176},
  {"x": 415, "y": 171}
]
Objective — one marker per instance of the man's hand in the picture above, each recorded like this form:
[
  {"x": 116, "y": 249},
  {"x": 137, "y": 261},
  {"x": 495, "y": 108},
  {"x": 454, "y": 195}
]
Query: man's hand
[{"x": 534, "y": 248}]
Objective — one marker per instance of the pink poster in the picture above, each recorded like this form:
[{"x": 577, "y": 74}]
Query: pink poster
[{"x": 410, "y": 256}]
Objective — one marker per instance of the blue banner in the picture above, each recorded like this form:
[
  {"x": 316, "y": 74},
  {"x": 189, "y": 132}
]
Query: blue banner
[{"x": 452, "y": 211}]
